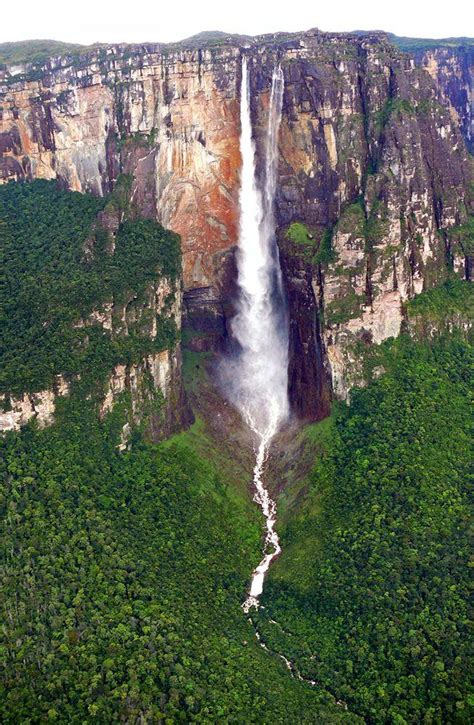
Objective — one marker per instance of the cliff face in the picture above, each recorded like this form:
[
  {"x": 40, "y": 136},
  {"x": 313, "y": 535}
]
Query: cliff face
[
  {"x": 153, "y": 386},
  {"x": 169, "y": 118},
  {"x": 452, "y": 71},
  {"x": 151, "y": 390},
  {"x": 373, "y": 174}
]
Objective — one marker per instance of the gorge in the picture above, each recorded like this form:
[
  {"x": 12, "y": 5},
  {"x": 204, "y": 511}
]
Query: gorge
[{"x": 236, "y": 270}]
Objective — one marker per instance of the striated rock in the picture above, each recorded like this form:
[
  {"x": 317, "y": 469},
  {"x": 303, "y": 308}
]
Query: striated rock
[
  {"x": 372, "y": 158},
  {"x": 452, "y": 69},
  {"x": 156, "y": 393},
  {"x": 169, "y": 118}
]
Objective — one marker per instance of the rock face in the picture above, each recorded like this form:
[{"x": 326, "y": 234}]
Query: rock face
[
  {"x": 154, "y": 387},
  {"x": 374, "y": 176},
  {"x": 373, "y": 168},
  {"x": 452, "y": 70},
  {"x": 40, "y": 406},
  {"x": 151, "y": 390},
  {"x": 170, "y": 118}
]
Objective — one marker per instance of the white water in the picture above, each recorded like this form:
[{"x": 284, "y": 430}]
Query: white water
[{"x": 259, "y": 375}]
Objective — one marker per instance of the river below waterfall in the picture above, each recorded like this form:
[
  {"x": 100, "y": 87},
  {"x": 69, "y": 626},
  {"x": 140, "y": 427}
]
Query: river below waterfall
[{"x": 257, "y": 376}]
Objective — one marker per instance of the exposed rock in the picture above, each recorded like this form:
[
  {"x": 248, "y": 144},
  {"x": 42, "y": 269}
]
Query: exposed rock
[
  {"x": 38, "y": 406},
  {"x": 452, "y": 70},
  {"x": 363, "y": 123},
  {"x": 371, "y": 153},
  {"x": 154, "y": 385},
  {"x": 156, "y": 393},
  {"x": 171, "y": 119}
]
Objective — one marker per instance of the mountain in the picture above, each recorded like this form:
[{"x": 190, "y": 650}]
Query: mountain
[
  {"x": 372, "y": 157},
  {"x": 127, "y": 523}
]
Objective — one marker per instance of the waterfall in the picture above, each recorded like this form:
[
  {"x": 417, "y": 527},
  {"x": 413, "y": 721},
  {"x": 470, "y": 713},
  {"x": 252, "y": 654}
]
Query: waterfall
[{"x": 259, "y": 377}]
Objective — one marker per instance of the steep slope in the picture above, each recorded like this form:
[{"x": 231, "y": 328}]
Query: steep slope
[
  {"x": 362, "y": 125},
  {"x": 125, "y": 564},
  {"x": 91, "y": 308},
  {"x": 374, "y": 183},
  {"x": 450, "y": 63}
]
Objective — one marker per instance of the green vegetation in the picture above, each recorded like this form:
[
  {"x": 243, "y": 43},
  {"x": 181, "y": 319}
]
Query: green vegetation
[
  {"x": 122, "y": 579},
  {"x": 38, "y": 51},
  {"x": 209, "y": 39},
  {"x": 314, "y": 248},
  {"x": 392, "y": 107},
  {"x": 377, "y": 225},
  {"x": 421, "y": 44},
  {"x": 370, "y": 594},
  {"x": 344, "y": 308},
  {"x": 366, "y": 230},
  {"x": 370, "y": 226},
  {"x": 57, "y": 268},
  {"x": 352, "y": 219},
  {"x": 465, "y": 234},
  {"x": 441, "y": 309},
  {"x": 440, "y": 304},
  {"x": 299, "y": 233},
  {"x": 123, "y": 573}
]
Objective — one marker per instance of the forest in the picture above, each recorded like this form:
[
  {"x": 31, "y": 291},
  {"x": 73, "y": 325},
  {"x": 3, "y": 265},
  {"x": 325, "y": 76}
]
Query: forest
[
  {"x": 370, "y": 596},
  {"x": 57, "y": 268},
  {"x": 122, "y": 580},
  {"x": 123, "y": 572}
]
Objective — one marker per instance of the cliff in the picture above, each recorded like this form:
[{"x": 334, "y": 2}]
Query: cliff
[
  {"x": 374, "y": 183},
  {"x": 152, "y": 385},
  {"x": 451, "y": 67},
  {"x": 92, "y": 307},
  {"x": 373, "y": 174}
]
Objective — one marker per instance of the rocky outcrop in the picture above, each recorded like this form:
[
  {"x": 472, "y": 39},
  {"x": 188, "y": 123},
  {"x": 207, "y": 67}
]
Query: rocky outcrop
[
  {"x": 374, "y": 181},
  {"x": 372, "y": 164},
  {"x": 452, "y": 69},
  {"x": 157, "y": 399},
  {"x": 154, "y": 384},
  {"x": 16, "y": 412},
  {"x": 151, "y": 389},
  {"x": 170, "y": 118}
]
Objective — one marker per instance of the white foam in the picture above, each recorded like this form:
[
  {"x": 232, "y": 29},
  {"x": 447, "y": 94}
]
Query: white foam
[{"x": 258, "y": 376}]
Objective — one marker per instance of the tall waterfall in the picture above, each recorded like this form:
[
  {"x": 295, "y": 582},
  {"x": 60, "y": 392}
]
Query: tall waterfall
[{"x": 259, "y": 374}]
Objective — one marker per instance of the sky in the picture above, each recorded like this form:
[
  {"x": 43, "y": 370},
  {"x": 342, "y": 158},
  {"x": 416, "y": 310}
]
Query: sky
[{"x": 110, "y": 21}]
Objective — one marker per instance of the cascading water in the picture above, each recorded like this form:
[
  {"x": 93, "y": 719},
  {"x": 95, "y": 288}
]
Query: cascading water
[
  {"x": 257, "y": 378},
  {"x": 259, "y": 375}
]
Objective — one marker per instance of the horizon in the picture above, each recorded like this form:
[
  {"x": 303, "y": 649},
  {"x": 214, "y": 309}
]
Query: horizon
[
  {"x": 113, "y": 23},
  {"x": 355, "y": 31},
  {"x": 60, "y": 47}
]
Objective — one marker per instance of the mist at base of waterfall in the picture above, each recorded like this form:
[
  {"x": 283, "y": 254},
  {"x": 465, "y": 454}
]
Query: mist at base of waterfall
[{"x": 256, "y": 377}]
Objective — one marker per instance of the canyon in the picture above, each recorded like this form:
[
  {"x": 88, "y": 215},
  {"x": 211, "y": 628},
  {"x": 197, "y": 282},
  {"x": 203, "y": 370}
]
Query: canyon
[{"x": 372, "y": 180}]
